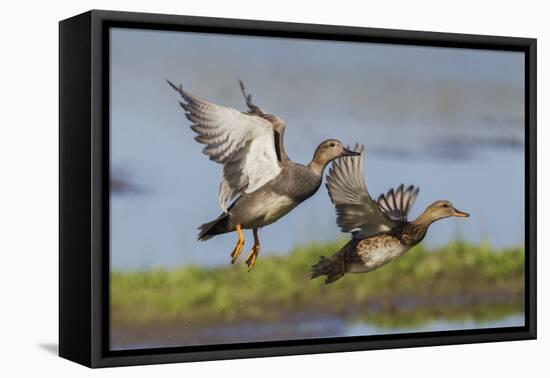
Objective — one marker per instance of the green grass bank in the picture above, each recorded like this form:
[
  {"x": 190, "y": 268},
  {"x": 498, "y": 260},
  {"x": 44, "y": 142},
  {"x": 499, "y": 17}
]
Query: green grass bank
[{"x": 280, "y": 285}]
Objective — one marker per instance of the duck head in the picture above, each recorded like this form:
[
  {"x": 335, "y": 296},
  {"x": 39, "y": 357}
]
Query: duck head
[
  {"x": 439, "y": 210},
  {"x": 327, "y": 151}
]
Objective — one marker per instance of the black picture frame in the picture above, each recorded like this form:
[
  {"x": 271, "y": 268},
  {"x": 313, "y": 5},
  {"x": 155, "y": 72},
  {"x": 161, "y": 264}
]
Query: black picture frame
[{"x": 84, "y": 188}]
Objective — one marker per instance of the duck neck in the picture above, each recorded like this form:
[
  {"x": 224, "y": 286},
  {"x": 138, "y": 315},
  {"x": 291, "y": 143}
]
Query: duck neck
[
  {"x": 414, "y": 232},
  {"x": 317, "y": 165},
  {"x": 424, "y": 220}
]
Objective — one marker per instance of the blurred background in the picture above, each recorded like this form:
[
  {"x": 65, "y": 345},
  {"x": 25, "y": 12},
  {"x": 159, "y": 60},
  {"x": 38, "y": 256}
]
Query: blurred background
[{"x": 450, "y": 121}]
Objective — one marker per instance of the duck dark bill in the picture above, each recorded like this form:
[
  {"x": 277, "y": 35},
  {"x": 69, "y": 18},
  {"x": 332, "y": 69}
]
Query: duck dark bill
[
  {"x": 458, "y": 213},
  {"x": 348, "y": 152}
]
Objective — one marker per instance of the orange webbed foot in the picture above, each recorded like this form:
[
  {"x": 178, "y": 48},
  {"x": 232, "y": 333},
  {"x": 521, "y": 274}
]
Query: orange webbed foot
[
  {"x": 253, "y": 255},
  {"x": 238, "y": 247}
]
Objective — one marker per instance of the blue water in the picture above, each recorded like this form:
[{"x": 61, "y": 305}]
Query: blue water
[
  {"x": 297, "y": 327},
  {"x": 157, "y": 227},
  {"x": 362, "y": 328}
]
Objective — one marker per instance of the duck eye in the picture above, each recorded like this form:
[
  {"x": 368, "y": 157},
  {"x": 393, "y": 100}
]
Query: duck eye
[{"x": 332, "y": 145}]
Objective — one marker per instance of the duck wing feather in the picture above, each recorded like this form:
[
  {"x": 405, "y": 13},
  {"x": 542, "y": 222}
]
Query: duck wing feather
[
  {"x": 397, "y": 203},
  {"x": 277, "y": 123},
  {"x": 243, "y": 143},
  {"x": 356, "y": 211}
]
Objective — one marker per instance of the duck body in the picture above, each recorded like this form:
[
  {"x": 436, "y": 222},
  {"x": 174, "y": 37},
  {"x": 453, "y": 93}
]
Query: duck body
[
  {"x": 295, "y": 184},
  {"x": 365, "y": 255},
  {"x": 269, "y": 203}
]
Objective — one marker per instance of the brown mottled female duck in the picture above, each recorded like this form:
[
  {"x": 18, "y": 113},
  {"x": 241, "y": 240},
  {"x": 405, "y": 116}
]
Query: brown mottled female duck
[
  {"x": 380, "y": 230},
  {"x": 257, "y": 172}
]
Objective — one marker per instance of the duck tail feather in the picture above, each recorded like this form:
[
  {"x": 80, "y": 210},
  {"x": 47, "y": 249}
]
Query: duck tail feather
[
  {"x": 331, "y": 267},
  {"x": 218, "y": 226}
]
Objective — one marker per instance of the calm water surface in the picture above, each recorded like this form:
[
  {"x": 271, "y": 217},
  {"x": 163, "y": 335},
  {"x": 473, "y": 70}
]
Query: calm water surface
[
  {"x": 158, "y": 228},
  {"x": 299, "y": 326}
]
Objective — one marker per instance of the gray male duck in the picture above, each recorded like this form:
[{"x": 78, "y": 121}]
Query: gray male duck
[
  {"x": 257, "y": 172},
  {"x": 380, "y": 230}
]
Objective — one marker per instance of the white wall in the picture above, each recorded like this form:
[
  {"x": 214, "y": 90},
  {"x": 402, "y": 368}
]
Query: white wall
[{"x": 28, "y": 207}]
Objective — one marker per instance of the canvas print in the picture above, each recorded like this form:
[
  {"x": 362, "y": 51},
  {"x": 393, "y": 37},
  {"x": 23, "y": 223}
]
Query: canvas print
[{"x": 267, "y": 189}]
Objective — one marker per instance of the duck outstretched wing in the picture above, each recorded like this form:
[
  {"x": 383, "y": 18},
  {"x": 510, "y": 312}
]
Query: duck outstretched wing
[
  {"x": 243, "y": 143},
  {"x": 277, "y": 123},
  {"x": 397, "y": 203},
  {"x": 356, "y": 211}
]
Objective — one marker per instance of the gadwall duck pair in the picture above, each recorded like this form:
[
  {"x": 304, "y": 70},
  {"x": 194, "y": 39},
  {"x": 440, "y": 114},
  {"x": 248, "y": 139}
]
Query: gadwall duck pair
[
  {"x": 257, "y": 172},
  {"x": 380, "y": 230}
]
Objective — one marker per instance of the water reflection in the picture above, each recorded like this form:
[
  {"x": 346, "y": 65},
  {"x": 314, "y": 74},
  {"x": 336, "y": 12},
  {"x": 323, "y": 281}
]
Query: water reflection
[{"x": 308, "y": 325}]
